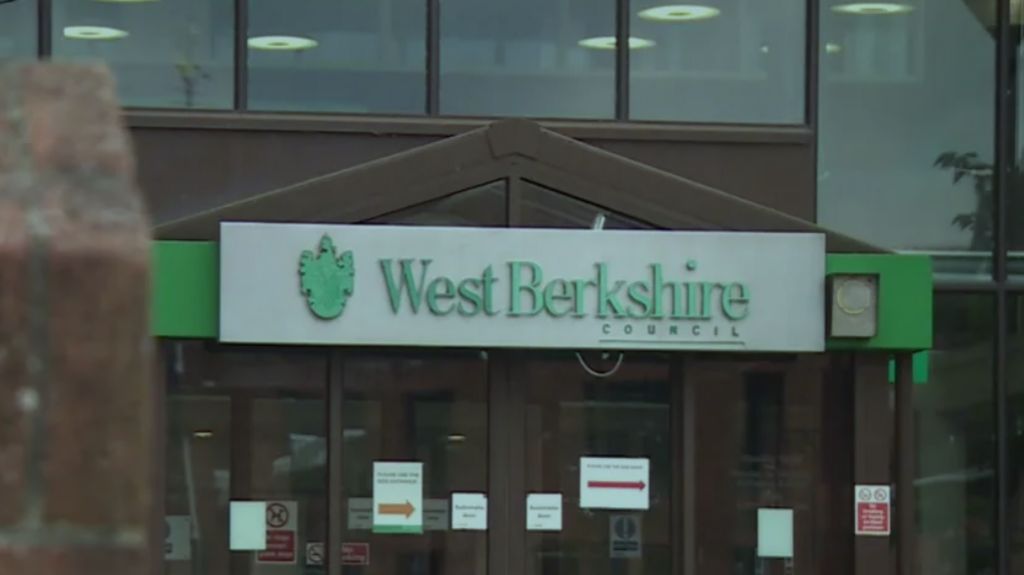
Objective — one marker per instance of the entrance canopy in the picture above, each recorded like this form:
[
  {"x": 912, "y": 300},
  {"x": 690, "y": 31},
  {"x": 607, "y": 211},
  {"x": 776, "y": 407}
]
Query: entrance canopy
[{"x": 526, "y": 158}]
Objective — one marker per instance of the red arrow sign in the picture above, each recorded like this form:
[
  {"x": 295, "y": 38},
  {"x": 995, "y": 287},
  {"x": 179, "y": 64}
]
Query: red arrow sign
[{"x": 638, "y": 485}]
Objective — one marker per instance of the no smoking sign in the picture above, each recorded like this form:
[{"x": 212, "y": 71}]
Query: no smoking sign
[{"x": 872, "y": 510}]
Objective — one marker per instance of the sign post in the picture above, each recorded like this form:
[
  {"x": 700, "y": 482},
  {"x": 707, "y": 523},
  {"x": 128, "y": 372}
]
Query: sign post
[{"x": 872, "y": 510}]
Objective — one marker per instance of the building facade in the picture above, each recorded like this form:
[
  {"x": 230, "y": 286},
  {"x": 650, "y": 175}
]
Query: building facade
[{"x": 890, "y": 129}]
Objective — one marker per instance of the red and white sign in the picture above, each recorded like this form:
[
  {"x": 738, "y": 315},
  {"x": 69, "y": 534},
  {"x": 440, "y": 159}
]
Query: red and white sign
[
  {"x": 872, "y": 510},
  {"x": 614, "y": 483},
  {"x": 282, "y": 518},
  {"x": 355, "y": 553}
]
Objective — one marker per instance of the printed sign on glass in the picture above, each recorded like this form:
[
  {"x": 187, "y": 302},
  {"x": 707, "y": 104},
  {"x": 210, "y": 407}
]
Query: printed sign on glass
[
  {"x": 397, "y": 497},
  {"x": 281, "y": 520},
  {"x": 614, "y": 483}
]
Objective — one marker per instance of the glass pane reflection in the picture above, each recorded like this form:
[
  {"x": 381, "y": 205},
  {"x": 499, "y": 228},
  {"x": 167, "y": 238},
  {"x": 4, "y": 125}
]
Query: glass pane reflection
[{"x": 18, "y": 29}]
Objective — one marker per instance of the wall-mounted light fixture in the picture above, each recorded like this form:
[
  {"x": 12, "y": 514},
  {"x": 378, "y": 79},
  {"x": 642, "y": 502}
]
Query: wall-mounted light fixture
[{"x": 852, "y": 305}]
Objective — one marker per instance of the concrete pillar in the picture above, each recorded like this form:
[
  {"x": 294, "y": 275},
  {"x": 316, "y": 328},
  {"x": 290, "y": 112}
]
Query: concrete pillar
[{"x": 76, "y": 359}]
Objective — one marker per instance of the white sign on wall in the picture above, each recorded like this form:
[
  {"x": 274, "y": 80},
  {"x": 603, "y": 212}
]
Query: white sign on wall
[
  {"x": 177, "y": 538},
  {"x": 544, "y": 512},
  {"x": 538, "y": 288},
  {"x": 397, "y": 497},
  {"x": 615, "y": 482},
  {"x": 469, "y": 511}
]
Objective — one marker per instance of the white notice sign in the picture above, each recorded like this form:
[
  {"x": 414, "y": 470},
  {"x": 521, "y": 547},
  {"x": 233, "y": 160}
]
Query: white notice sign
[
  {"x": 435, "y": 515},
  {"x": 544, "y": 512},
  {"x": 469, "y": 512},
  {"x": 614, "y": 483},
  {"x": 177, "y": 538},
  {"x": 360, "y": 513},
  {"x": 538, "y": 288},
  {"x": 397, "y": 497}
]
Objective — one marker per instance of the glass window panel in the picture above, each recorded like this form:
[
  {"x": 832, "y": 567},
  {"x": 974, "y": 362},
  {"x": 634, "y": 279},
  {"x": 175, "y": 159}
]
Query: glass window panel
[
  {"x": 431, "y": 409},
  {"x": 242, "y": 424},
  {"x": 1015, "y": 437},
  {"x": 763, "y": 433},
  {"x": 955, "y": 441},
  {"x": 355, "y": 57},
  {"x": 524, "y": 58},
  {"x": 164, "y": 54},
  {"x": 1015, "y": 191},
  {"x": 906, "y": 96},
  {"x": 739, "y": 61},
  {"x": 571, "y": 414},
  {"x": 542, "y": 207},
  {"x": 485, "y": 205},
  {"x": 18, "y": 29}
]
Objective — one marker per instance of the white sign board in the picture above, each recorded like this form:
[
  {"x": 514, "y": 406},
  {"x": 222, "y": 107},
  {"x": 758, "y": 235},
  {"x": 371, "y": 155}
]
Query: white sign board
[
  {"x": 537, "y": 288},
  {"x": 872, "y": 510},
  {"x": 775, "y": 533},
  {"x": 614, "y": 483},
  {"x": 435, "y": 514},
  {"x": 282, "y": 520},
  {"x": 360, "y": 513},
  {"x": 469, "y": 512},
  {"x": 625, "y": 537},
  {"x": 397, "y": 497},
  {"x": 544, "y": 512},
  {"x": 177, "y": 538}
]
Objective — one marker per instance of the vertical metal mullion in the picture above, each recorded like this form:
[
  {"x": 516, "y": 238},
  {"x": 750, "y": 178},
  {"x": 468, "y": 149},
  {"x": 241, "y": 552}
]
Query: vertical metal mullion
[
  {"x": 622, "y": 59},
  {"x": 44, "y": 28},
  {"x": 905, "y": 459},
  {"x": 684, "y": 486},
  {"x": 813, "y": 52},
  {"x": 335, "y": 379},
  {"x": 498, "y": 498},
  {"x": 1004, "y": 138},
  {"x": 433, "y": 57},
  {"x": 516, "y": 500},
  {"x": 241, "y": 76}
]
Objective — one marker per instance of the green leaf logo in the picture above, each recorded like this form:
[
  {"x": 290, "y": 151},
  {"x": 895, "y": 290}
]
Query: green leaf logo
[{"x": 326, "y": 279}]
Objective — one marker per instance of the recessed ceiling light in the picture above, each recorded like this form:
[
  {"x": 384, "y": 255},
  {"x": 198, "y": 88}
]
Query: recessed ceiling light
[
  {"x": 679, "y": 13},
  {"x": 281, "y": 43},
  {"x": 833, "y": 48},
  {"x": 608, "y": 43},
  {"x": 202, "y": 434},
  {"x": 93, "y": 33},
  {"x": 456, "y": 438},
  {"x": 873, "y": 8}
]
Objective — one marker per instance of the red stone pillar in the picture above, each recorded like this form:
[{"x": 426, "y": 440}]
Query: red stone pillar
[{"x": 76, "y": 358}]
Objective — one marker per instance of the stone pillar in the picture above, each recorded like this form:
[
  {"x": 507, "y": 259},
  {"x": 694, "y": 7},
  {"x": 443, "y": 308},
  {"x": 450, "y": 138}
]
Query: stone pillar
[{"x": 76, "y": 358}]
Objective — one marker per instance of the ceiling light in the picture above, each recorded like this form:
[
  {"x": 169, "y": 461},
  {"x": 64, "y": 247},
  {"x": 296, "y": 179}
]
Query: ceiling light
[
  {"x": 281, "y": 43},
  {"x": 679, "y": 13},
  {"x": 873, "y": 8},
  {"x": 456, "y": 438},
  {"x": 833, "y": 48},
  {"x": 202, "y": 434},
  {"x": 608, "y": 43},
  {"x": 93, "y": 33}
]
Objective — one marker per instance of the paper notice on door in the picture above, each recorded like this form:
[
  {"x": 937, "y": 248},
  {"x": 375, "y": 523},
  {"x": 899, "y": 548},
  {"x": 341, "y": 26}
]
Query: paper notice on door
[
  {"x": 544, "y": 512},
  {"x": 469, "y": 512}
]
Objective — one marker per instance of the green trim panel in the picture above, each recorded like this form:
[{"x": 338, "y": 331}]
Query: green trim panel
[
  {"x": 904, "y": 299},
  {"x": 185, "y": 290}
]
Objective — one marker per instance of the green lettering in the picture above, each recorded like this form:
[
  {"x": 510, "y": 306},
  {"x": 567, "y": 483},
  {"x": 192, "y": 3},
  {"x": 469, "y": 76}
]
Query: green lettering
[
  {"x": 557, "y": 291},
  {"x": 441, "y": 288},
  {"x": 657, "y": 291},
  {"x": 608, "y": 298},
  {"x": 735, "y": 305},
  {"x": 471, "y": 299},
  {"x": 638, "y": 292},
  {"x": 517, "y": 287},
  {"x": 488, "y": 289},
  {"x": 407, "y": 284},
  {"x": 577, "y": 287},
  {"x": 707, "y": 289}
]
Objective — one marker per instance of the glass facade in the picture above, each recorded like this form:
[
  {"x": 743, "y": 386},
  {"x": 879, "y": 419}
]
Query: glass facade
[
  {"x": 164, "y": 54},
  {"x": 736, "y": 63}
]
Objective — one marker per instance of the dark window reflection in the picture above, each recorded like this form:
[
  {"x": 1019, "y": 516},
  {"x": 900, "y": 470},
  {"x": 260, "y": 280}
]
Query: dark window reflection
[
  {"x": 242, "y": 424},
  {"x": 543, "y": 207},
  {"x": 767, "y": 435},
  {"x": 485, "y": 205},
  {"x": 571, "y": 414},
  {"x": 953, "y": 414},
  {"x": 164, "y": 54},
  {"x": 426, "y": 408}
]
